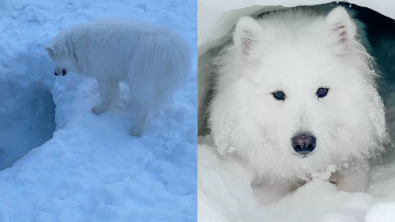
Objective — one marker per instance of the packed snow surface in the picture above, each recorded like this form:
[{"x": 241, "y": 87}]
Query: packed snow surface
[
  {"x": 72, "y": 165},
  {"x": 225, "y": 193}
]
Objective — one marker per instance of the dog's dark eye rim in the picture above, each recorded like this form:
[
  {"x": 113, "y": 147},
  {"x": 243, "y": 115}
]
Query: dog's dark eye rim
[
  {"x": 322, "y": 92},
  {"x": 279, "y": 95}
]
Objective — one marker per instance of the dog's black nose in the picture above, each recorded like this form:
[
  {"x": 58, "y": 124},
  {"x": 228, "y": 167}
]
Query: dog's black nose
[
  {"x": 56, "y": 74},
  {"x": 303, "y": 143}
]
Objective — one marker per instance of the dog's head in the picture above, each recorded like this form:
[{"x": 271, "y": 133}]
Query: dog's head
[
  {"x": 293, "y": 96},
  {"x": 59, "y": 52}
]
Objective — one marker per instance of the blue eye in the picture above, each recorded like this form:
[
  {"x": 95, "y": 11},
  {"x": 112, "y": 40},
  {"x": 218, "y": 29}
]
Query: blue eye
[
  {"x": 322, "y": 92},
  {"x": 279, "y": 95}
]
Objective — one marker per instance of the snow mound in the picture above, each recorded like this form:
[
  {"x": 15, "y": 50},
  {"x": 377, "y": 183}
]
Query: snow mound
[{"x": 383, "y": 212}]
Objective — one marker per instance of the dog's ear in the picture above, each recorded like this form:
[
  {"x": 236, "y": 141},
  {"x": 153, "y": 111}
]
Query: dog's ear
[
  {"x": 342, "y": 28},
  {"x": 246, "y": 36},
  {"x": 50, "y": 49}
]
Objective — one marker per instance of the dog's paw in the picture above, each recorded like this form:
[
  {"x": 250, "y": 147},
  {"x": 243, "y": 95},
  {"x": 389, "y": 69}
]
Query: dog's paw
[{"x": 97, "y": 110}]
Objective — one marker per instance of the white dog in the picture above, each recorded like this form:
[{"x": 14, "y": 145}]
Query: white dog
[
  {"x": 295, "y": 96},
  {"x": 153, "y": 61}
]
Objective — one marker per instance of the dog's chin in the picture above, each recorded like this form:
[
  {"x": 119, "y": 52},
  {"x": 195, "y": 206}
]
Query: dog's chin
[{"x": 303, "y": 155}]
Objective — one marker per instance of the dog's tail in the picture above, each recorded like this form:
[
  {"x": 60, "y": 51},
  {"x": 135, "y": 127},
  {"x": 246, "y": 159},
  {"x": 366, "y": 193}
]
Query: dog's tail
[{"x": 162, "y": 62}]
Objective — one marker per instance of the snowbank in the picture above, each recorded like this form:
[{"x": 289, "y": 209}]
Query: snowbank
[
  {"x": 224, "y": 186},
  {"x": 88, "y": 167}
]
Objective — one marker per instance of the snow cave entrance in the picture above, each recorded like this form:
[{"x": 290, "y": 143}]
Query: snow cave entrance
[
  {"x": 27, "y": 119},
  {"x": 380, "y": 32}
]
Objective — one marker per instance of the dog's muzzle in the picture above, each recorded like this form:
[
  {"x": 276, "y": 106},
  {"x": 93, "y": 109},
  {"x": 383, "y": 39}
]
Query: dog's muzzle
[{"x": 64, "y": 72}]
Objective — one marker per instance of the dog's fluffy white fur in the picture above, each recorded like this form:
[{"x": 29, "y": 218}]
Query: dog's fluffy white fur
[
  {"x": 153, "y": 60},
  {"x": 298, "y": 52}
]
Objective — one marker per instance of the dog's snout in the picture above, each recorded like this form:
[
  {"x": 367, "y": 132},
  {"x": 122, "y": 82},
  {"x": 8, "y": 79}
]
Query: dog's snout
[
  {"x": 303, "y": 143},
  {"x": 63, "y": 72}
]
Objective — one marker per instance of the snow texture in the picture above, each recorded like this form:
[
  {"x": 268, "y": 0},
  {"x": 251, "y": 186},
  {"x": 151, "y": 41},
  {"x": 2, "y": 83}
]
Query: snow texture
[
  {"x": 72, "y": 165},
  {"x": 224, "y": 186}
]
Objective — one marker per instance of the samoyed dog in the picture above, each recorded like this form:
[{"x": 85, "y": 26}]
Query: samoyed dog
[
  {"x": 153, "y": 60},
  {"x": 295, "y": 97}
]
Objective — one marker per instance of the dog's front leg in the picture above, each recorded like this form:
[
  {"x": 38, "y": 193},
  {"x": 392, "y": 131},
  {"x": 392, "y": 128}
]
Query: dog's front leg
[
  {"x": 354, "y": 180},
  {"x": 109, "y": 90},
  {"x": 139, "y": 127}
]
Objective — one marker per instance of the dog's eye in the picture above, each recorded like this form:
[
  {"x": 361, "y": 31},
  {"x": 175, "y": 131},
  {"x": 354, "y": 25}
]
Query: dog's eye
[
  {"x": 279, "y": 95},
  {"x": 321, "y": 92}
]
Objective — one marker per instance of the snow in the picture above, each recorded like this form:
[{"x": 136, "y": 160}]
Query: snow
[
  {"x": 225, "y": 192},
  {"x": 383, "y": 212},
  {"x": 59, "y": 161}
]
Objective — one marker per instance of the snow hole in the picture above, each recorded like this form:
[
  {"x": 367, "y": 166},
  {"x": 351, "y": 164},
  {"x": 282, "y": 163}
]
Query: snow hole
[{"x": 27, "y": 109}]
